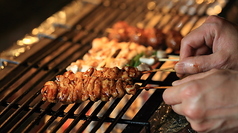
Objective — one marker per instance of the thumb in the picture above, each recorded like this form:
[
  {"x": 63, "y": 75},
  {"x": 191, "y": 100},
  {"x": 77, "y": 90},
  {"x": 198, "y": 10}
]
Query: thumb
[{"x": 196, "y": 64}]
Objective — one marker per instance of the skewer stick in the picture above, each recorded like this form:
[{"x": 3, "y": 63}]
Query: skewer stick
[
  {"x": 168, "y": 69},
  {"x": 166, "y": 59},
  {"x": 155, "y": 87}
]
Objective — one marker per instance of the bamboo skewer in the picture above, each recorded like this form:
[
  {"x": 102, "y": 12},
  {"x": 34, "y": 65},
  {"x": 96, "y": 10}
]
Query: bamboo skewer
[
  {"x": 166, "y": 59},
  {"x": 168, "y": 69},
  {"x": 155, "y": 87}
]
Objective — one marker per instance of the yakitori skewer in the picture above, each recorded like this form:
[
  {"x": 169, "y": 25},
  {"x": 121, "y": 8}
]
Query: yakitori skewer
[
  {"x": 154, "y": 37},
  {"x": 92, "y": 85}
]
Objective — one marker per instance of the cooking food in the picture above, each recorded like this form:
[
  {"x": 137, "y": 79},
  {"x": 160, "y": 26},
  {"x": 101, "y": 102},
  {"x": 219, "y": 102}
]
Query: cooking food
[
  {"x": 153, "y": 37},
  {"x": 173, "y": 40},
  {"x": 123, "y": 32},
  {"x": 108, "y": 53},
  {"x": 91, "y": 85},
  {"x": 103, "y": 72}
]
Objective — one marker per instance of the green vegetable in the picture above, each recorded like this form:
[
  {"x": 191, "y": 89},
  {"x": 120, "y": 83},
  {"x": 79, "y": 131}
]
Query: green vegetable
[
  {"x": 135, "y": 60},
  {"x": 154, "y": 52}
]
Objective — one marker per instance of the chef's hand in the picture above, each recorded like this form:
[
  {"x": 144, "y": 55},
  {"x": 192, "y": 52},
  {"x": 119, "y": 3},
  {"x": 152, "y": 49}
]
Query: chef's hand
[
  {"x": 212, "y": 45},
  {"x": 208, "y": 100}
]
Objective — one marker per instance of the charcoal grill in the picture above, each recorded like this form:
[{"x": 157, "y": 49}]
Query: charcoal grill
[{"x": 25, "y": 68}]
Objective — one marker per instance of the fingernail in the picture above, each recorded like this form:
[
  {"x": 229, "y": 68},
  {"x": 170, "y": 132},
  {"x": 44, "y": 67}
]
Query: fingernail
[
  {"x": 174, "y": 83},
  {"x": 179, "y": 67},
  {"x": 177, "y": 82}
]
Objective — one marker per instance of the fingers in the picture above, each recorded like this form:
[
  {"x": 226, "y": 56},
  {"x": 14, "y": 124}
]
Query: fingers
[
  {"x": 178, "y": 109},
  {"x": 187, "y": 87},
  {"x": 198, "y": 42},
  {"x": 197, "y": 48},
  {"x": 175, "y": 94},
  {"x": 197, "y": 64},
  {"x": 192, "y": 65},
  {"x": 193, "y": 77},
  {"x": 172, "y": 96}
]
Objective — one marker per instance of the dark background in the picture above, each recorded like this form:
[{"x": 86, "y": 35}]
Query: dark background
[{"x": 19, "y": 17}]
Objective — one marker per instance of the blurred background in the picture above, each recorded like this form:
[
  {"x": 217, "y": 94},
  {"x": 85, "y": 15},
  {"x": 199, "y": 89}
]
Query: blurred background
[{"x": 20, "y": 17}]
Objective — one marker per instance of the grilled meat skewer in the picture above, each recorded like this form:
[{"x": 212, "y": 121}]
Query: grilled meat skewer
[
  {"x": 91, "y": 85},
  {"x": 154, "y": 37},
  {"x": 106, "y": 72}
]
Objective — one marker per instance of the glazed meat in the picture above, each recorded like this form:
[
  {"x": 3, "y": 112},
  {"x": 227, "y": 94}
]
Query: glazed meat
[
  {"x": 123, "y": 32},
  {"x": 153, "y": 37},
  {"x": 91, "y": 85},
  {"x": 119, "y": 31},
  {"x": 173, "y": 40},
  {"x": 136, "y": 35}
]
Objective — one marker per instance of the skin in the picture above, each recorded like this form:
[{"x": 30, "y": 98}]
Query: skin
[
  {"x": 207, "y": 96},
  {"x": 208, "y": 100},
  {"x": 212, "y": 45}
]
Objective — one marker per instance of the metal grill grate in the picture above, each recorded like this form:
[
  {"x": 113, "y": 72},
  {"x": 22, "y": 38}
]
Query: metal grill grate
[{"x": 21, "y": 107}]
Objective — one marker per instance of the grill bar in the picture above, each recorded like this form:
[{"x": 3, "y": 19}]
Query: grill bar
[
  {"x": 106, "y": 115},
  {"x": 25, "y": 82},
  {"x": 89, "y": 119},
  {"x": 98, "y": 26},
  {"x": 53, "y": 117},
  {"x": 124, "y": 109},
  {"x": 27, "y": 65},
  {"x": 27, "y": 116},
  {"x": 79, "y": 117},
  {"x": 66, "y": 116},
  {"x": 37, "y": 119},
  {"x": 14, "y": 115}
]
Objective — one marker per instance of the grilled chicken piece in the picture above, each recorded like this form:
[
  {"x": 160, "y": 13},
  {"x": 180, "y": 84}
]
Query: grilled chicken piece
[
  {"x": 155, "y": 38},
  {"x": 91, "y": 85},
  {"x": 50, "y": 91},
  {"x": 173, "y": 40}
]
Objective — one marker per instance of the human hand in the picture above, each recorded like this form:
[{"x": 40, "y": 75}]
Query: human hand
[
  {"x": 212, "y": 45},
  {"x": 208, "y": 100}
]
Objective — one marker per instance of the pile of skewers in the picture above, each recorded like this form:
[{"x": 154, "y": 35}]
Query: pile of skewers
[{"x": 105, "y": 71}]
